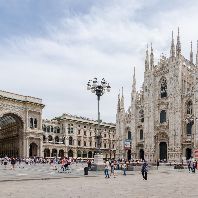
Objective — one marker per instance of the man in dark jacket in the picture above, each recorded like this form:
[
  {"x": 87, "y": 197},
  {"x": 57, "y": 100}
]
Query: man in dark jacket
[{"x": 144, "y": 170}]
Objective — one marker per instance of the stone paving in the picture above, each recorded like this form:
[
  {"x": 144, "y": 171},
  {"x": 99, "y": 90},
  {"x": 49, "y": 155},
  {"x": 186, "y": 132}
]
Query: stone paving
[
  {"x": 38, "y": 171},
  {"x": 165, "y": 182}
]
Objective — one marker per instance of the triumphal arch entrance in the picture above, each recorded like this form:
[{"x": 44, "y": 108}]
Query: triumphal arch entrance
[{"x": 20, "y": 125}]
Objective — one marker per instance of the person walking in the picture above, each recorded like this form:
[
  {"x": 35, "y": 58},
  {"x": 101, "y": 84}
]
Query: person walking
[
  {"x": 124, "y": 168},
  {"x": 193, "y": 167},
  {"x": 157, "y": 164},
  {"x": 5, "y": 161},
  {"x": 144, "y": 170},
  {"x": 106, "y": 169},
  {"x": 189, "y": 166},
  {"x": 13, "y": 162}
]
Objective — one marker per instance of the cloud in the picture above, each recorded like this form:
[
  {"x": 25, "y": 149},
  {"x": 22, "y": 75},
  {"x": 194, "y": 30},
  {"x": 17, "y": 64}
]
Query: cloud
[{"x": 105, "y": 39}]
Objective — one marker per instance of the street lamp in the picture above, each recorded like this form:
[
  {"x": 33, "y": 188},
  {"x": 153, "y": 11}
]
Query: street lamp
[{"x": 99, "y": 90}]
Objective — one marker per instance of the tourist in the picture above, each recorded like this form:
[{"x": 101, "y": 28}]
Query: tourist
[
  {"x": 144, "y": 170},
  {"x": 193, "y": 167},
  {"x": 189, "y": 166},
  {"x": 118, "y": 164},
  {"x": 5, "y": 161},
  {"x": 157, "y": 164},
  {"x": 113, "y": 169},
  {"x": 124, "y": 166},
  {"x": 106, "y": 169},
  {"x": 89, "y": 164},
  {"x": 13, "y": 162}
]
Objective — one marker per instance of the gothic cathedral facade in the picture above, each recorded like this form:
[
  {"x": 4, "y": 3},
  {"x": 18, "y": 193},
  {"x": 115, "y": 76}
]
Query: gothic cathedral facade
[{"x": 162, "y": 121}]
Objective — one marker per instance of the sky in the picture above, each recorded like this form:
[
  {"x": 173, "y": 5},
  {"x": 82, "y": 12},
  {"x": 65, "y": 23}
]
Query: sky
[{"x": 50, "y": 48}]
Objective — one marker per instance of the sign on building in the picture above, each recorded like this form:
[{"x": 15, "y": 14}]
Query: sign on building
[{"x": 127, "y": 144}]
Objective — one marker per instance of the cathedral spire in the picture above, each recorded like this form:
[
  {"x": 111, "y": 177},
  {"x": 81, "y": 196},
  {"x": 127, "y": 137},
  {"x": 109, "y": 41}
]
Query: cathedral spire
[
  {"x": 122, "y": 100},
  {"x": 191, "y": 53},
  {"x": 197, "y": 55},
  {"x": 178, "y": 46},
  {"x": 118, "y": 105},
  {"x": 151, "y": 58},
  {"x": 133, "y": 92},
  {"x": 134, "y": 82},
  {"x": 172, "y": 50},
  {"x": 147, "y": 60}
]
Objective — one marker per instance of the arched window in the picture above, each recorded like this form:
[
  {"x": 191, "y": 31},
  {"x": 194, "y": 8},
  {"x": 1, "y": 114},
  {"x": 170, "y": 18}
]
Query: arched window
[
  {"x": 162, "y": 116},
  {"x": 48, "y": 128},
  {"x": 189, "y": 128},
  {"x": 52, "y": 129},
  {"x": 141, "y": 114},
  {"x": 49, "y": 138},
  {"x": 44, "y": 128},
  {"x": 79, "y": 153},
  {"x": 84, "y": 143},
  {"x": 79, "y": 143},
  {"x": 70, "y": 140},
  {"x": 163, "y": 88},
  {"x": 129, "y": 135},
  {"x": 56, "y": 139},
  {"x": 84, "y": 154},
  {"x": 31, "y": 123},
  {"x": 105, "y": 145},
  {"x": 35, "y": 123},
  {"x": 141, "y": 135},
  {"x": 58, "y": 130},
  {"x": 63, "y": 140},
  {"x": 189, "y": 107}
]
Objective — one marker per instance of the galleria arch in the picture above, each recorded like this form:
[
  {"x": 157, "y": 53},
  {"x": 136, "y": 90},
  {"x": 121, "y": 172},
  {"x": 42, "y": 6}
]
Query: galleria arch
[
  {"x": 20, "y": 125},
  {"x": 11, "y": 131}
]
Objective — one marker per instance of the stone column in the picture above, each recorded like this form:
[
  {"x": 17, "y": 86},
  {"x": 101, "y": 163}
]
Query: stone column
[{"x": 27, "y": 147}]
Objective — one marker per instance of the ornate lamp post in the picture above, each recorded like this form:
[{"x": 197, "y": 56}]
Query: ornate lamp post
[{"x": 99, "y": 90}]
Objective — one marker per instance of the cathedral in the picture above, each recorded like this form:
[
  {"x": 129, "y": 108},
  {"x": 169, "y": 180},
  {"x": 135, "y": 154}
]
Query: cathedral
[{"x": 162, "y": 120}]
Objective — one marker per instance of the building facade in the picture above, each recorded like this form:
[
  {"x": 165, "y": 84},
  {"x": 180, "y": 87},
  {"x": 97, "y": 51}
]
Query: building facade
[
  {"x": 74, "y": 136},
  {"x": 23, "y": 132},
  {"x": 20, "y": 125},
  {"x": 161, "y": 122}
]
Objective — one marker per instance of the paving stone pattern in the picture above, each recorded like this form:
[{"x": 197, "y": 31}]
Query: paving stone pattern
[{"x": 165, "y": 182}]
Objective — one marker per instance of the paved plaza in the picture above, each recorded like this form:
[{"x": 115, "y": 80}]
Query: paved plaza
[{"x": 42, "y": 182}]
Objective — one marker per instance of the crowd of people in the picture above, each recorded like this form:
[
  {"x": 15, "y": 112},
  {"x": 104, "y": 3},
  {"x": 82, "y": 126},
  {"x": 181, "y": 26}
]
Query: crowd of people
[
  {"x": 121, "y": 164},
  {"x": 110, "y": 166},
  {"x": 12, "y": 162}
]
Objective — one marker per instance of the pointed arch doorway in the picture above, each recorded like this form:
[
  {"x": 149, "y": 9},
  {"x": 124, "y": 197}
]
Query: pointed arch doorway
[
  {"x": 188, "y": 153},
  {"x": 163, "y": 151},
  {"x": 141, "y": 154}
]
